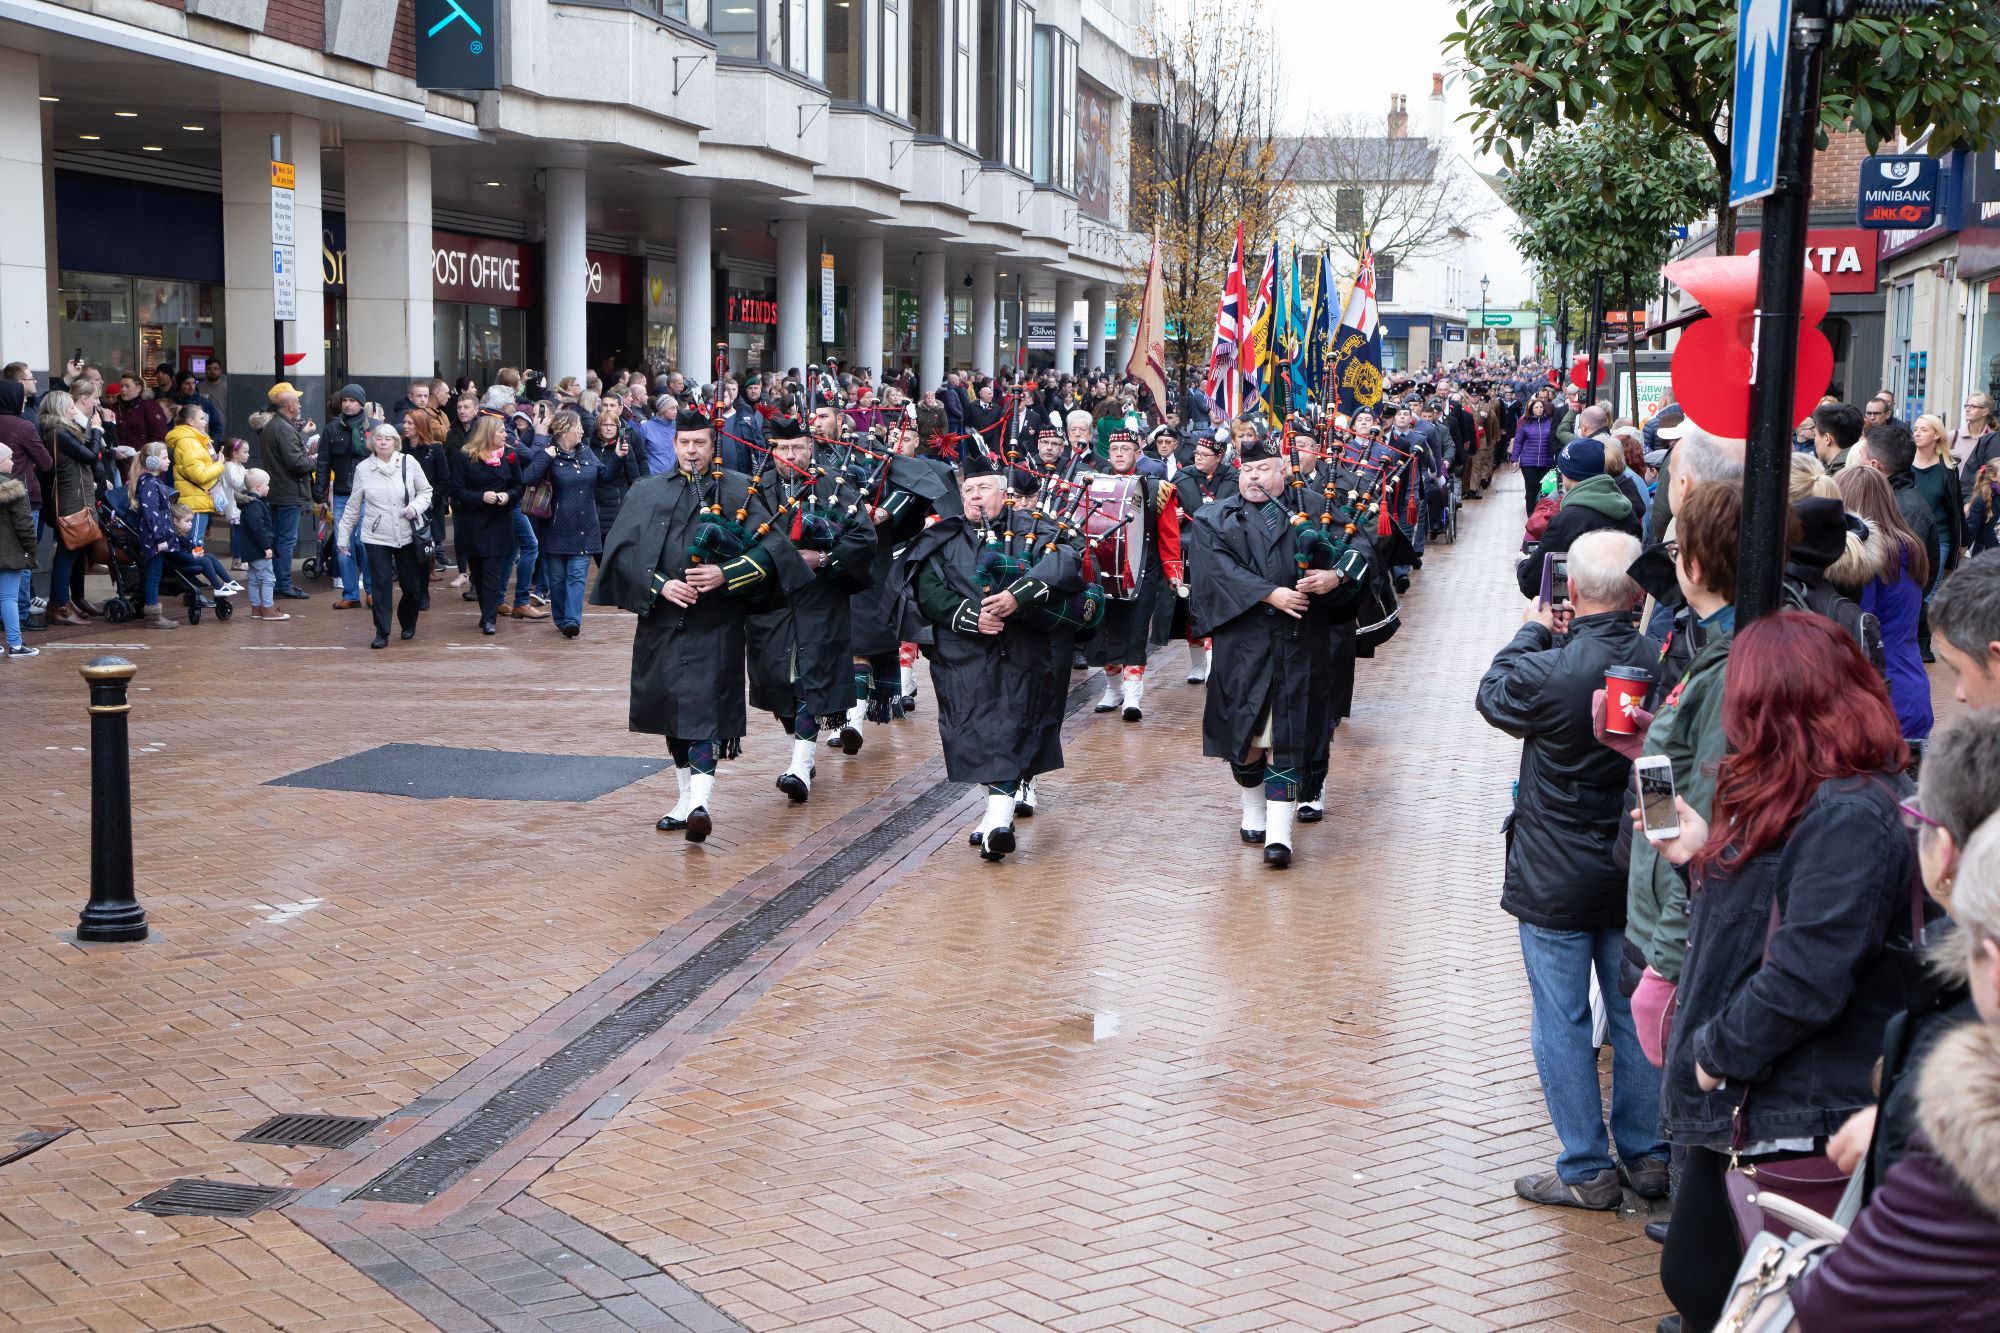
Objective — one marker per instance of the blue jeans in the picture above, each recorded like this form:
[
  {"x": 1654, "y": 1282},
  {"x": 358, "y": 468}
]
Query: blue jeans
[
  {"x": 11, "y": 582},
  {"x": 262, "y": 583},
  {"x": 567, "y": 575},
  {"x": 1559, "y": 963},
  {"x": 284, "y": 541},
  {"x": 353, "y": 574},
  {"x": 527, "y": 552},
  {"x": 199, "y": 532},
  {"x": 155, "y": 565}
]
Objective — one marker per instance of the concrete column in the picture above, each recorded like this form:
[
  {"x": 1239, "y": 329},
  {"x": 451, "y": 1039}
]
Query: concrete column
[
  {"x": 24, "y": 240},
  {"x": 933, "y": 314},
  {"x": 695, "y": 263},
  {"x": 1068, "y": 292},
  {"x": 389, "y": 324},
  {"x": 248, "y": 353},
  {"x": 865, "y": 305},
  {"x": 1128, "y": 329},
  {"x": 1093, "y": 329},
  {"x": 791, "y": 349},
  {"x": 566, "y": 286},
  {"x": 985, "y": 324}
]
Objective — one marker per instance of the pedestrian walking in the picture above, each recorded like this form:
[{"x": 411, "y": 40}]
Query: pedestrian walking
[
  {"x": 388, "y": 497},
  {"x": 1534, "y": 449},
  {"x": 488, "y": 489}
]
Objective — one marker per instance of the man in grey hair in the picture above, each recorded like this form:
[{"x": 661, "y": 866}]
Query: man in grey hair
[{"x": 1562, "y": 883}]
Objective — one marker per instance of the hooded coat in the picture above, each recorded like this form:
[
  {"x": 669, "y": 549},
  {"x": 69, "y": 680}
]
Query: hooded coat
[
  {"x": 196, "y": 468},
  {"x": 17, "y": 432},
  {"x": 17, "y": 530},
  {"x": 687, "y": 662},
  {"x": 1592, "y": 504},
  {"x": 1925, "y": 1252},
  {"x": 996, "y": 693}
]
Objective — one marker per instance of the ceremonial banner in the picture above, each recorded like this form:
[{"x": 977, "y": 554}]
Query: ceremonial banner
[
  {"x": 1355, "y": 371},
  {"x": 1147, "y": 363}
]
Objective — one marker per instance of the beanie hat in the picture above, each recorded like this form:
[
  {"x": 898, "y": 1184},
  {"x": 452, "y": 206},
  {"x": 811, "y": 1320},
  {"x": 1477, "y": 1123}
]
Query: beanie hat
[{"x": 1581, "y": 459}]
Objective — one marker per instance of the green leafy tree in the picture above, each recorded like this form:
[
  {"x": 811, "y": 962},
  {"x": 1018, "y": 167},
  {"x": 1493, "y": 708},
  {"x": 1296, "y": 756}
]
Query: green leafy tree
[
  {"x": 1670, "y": 64},
  {"x": 1603, "y": 197}
]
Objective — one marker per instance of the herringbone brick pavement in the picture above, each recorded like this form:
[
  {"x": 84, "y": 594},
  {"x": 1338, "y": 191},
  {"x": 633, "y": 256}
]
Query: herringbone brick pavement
[{"x": 1131, "y": 1079}]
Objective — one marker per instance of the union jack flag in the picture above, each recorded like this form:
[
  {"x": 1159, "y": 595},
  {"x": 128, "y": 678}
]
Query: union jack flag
[{"x": 1225, "y": 370}]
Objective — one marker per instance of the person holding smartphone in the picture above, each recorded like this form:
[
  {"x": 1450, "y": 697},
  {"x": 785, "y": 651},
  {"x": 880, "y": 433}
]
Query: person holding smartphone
[{"x": 1563, "y": 883}]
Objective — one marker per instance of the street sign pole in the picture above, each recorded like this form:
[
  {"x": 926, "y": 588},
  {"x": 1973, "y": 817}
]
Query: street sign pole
[
  {"x": 1760, "y": 566},
  {"x": 1593, "y": 342}
]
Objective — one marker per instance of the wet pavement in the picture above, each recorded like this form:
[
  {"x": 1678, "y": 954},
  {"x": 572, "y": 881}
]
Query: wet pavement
[{"x": 829, "y": 1071}]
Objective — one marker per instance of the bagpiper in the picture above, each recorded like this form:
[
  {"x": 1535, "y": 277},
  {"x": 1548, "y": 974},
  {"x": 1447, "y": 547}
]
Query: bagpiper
[
  {"x": 903, "y": 490},
  {"x": 984, "y": 593},
  {"x": 688, "y": 550},
  {"x": 1264, "y": 576},
  {"x": 799, "y": 668}
]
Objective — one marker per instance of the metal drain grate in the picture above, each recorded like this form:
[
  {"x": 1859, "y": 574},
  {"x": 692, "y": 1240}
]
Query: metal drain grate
[
  {"x": 210, "y": 1198},
  {"x": 38, "y": 1137},
  {"x": 439, "y": 1164},
  {"x": 312, "y": 1131}
]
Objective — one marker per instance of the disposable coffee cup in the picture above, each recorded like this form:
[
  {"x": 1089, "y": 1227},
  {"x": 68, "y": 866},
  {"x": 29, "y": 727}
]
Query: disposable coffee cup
[{"x": 1624, "y": 694}]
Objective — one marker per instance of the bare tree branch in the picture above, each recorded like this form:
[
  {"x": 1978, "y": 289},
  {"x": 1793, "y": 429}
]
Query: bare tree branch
[{"x": 1405, "y": 196}]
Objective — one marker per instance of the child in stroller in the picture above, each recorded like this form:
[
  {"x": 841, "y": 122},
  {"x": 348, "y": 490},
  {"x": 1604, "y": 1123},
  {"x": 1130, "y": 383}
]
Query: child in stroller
[{"x": 148, "y": 553}]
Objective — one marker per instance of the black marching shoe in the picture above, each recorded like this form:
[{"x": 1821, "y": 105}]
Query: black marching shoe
[
  {"x": 409, "y": 634},
  {"x": 1277, "y": 856},
  {"x": 380, "y": 641},
  {"x": 699, "y": 825},
  {"x": 671, "y": 824}
]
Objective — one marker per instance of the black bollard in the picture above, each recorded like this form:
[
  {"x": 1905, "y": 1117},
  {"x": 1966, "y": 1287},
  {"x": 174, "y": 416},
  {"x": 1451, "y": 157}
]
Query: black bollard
[{"x": 113, "y": 913}]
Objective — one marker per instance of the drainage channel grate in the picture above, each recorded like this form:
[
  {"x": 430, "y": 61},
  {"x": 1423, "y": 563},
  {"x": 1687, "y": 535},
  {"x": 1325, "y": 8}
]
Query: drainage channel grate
[
  {"x": 441, "y": 1163},
  {"x": 32, "y": 1140},
  {"x": 210, "y": 1198},
  {"x": 312, "y": 1131}
]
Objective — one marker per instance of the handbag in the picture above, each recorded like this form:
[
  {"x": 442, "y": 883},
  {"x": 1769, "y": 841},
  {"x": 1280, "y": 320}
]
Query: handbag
[
  {"x": 539, "y": 500},
  {"x": 420, "y": 534},
  {"x": 1760, "y": 1296},
  {"x": 79, "y": 531}
]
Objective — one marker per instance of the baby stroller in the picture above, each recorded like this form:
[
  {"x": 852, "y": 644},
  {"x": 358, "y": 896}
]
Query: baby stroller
[
  {"x": 128, "y": 575},
  {"x": 325, "y": 558}
]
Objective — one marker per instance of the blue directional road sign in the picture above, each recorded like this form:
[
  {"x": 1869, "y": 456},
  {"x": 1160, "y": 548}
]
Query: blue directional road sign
[{"x": 1763, "y": 40}]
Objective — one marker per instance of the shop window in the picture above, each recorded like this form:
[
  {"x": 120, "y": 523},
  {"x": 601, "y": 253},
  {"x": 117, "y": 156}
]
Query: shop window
[
  {"x": 122, "y": 323},
  {"x": 1986, "y": 357}
]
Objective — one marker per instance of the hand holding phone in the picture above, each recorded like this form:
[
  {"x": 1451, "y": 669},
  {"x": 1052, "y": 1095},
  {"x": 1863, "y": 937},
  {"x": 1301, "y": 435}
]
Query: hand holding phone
[{"x": 1658, "y": 817}]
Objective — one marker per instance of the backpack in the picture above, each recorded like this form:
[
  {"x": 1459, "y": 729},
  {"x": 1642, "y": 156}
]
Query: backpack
[{"x": 1826, "y": 600}]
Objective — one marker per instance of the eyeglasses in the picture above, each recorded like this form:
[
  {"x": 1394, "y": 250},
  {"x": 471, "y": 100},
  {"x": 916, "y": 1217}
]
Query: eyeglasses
[{"x": 1914, "y": 819}]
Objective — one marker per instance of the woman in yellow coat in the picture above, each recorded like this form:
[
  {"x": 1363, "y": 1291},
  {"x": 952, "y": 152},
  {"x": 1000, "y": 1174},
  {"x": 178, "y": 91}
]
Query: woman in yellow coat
[{"x": 196, "y": 467}]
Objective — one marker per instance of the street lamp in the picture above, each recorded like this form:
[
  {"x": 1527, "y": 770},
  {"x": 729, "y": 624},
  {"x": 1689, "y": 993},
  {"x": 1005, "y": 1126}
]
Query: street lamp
[{"x": 1485, "y": 337}]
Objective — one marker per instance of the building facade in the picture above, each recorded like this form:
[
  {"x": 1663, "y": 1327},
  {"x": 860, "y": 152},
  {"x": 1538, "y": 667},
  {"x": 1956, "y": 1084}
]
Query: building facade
[{"x": 705, "y": 184}]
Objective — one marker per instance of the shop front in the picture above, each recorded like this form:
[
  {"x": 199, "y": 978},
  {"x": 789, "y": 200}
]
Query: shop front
[
  {"x": 750, "y": 318},
  {"x": 662, "y": 311},
  {"x": 481, "y": 287},
  {"x": 613, "y": 320},
  {"x": 139, "y": 280},
  {"x": 1979, "y": 268}
]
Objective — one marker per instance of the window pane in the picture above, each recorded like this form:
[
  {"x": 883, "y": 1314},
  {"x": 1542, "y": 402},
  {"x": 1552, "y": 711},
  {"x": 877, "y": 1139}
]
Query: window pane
[
  {"x": 843, "y": 50},
  {"x": 1044, "y": 102},
  {"x": 926, "y": 106},
  {"x": 891, "y": 94},
  {"x": 734, "y": 24}
]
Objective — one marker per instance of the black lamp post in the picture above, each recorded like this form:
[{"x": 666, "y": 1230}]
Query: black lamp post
[{"x": 1484, "y": 337}]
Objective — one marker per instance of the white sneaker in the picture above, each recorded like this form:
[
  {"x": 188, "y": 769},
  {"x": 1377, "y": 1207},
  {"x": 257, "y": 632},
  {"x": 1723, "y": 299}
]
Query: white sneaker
[
  {"x": 25, "y": 650},
  {"x": 1197, "y": 664},
  {"x": 1254, "y": 813},
  {"x": 536, "y": 599},
  {"x": 229, "y": 589}
]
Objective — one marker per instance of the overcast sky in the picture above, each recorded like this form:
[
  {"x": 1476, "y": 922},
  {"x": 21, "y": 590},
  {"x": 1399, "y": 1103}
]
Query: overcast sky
[{"x": 1346, "y": 55}]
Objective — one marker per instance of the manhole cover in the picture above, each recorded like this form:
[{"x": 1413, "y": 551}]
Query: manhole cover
[
  {"x": 312, "y": 1131},
  {"x": 210, "y": 1198}
]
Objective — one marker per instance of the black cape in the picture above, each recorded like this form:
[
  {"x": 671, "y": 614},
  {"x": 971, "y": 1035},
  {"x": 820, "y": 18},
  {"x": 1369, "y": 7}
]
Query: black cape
[
  {"x": 915, "y": 489},
  {"x": 1264, "y": 660},
  {"x": 687, "y": 662},
  {"x": 798, "y": 646},
  {"x": 999, "y": 697}
]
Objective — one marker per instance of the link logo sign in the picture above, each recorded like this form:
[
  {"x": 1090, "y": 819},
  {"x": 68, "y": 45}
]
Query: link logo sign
[{"x": 458, "y": 44}]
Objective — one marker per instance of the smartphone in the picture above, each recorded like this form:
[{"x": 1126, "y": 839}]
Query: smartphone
[
  {"x": 1657, "y": 811},
  {"x": 1555, "y": 579}
]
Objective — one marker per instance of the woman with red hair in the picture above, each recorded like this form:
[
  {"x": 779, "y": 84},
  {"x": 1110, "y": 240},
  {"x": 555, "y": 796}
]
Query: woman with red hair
[{"x": 1795, "y": 889}]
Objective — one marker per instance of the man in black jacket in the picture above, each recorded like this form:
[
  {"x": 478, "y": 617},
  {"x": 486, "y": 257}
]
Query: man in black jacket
[{"x": 1563, "y": 884}]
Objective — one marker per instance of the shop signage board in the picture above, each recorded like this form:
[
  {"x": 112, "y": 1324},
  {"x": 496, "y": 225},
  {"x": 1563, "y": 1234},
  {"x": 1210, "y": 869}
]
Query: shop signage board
[
  {"x": 826, "y": 298},
  {"x": 480, "y": 270},
  {"x": 458, "y": 44},
  {"x": 1899, "y": 192},
  {"x": 1454, "y": 334},
  {"x": 284, "y": 242},
  {"x": 1844, "y": 256},
  {"x": 606, "y": 277}
]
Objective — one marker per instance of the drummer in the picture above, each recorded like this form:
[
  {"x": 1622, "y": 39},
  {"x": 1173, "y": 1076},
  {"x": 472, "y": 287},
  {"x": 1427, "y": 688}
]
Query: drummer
[
  {"x": 1206, "y": 479},
  {"x": 1129, "y": 564}
]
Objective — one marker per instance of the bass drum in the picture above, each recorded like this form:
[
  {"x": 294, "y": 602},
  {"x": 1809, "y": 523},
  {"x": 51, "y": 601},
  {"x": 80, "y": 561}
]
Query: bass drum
[{"x": 1114, "y": 533}]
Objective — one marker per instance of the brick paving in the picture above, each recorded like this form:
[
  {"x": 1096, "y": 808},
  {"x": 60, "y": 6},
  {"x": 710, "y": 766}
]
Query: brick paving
[{"x": 1125, "y": 1079}]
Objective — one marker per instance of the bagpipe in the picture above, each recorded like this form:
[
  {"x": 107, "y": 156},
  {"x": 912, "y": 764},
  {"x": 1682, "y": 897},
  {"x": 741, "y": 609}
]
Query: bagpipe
[{"x": 1007, "y": 555}]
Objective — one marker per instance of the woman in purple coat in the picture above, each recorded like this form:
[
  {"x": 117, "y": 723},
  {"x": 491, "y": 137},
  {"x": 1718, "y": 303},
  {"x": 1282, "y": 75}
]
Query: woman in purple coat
[
  {"x": 1895, "y": 594},
  {"x": 1535, "y": 448}
]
